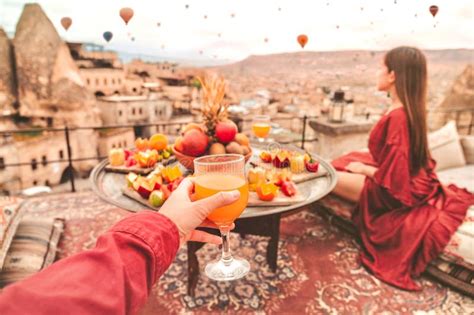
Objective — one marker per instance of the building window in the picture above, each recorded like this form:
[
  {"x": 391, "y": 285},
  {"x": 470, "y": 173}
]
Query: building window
[
  {"x": 105, "y": 81},
  {"x": 133, "y": 111},
  {"x": 46, "y": 182},
  {"x": 113, "y": 145},
  {"x": 125, "y": 144},
  {"x": 120, "y": 113},
  {"x": 96, "y": 81},
  {"x": 156, "y": 112},
  {"x": 34, "y": 164},
  {"x": 134, "y": 90},
  {"x": 88, "y": 81},
  {"x": 44, "y": 160},
  {"x": 119, "y": 81},
  {"x": 113, "y": 81},
  {"x": 61, "y": 154},
  {"x": 2, "y": 163},
  {"x": 140, "y": 111},
  {"x": 35, "y": 182}
]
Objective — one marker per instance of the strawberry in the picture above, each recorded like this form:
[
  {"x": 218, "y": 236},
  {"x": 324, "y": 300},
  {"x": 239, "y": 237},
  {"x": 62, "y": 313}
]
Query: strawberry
[{"x": 288, "y": 188}]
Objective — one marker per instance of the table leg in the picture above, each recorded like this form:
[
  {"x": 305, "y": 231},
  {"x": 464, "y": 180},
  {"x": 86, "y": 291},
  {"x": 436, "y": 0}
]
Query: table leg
[
  {"x": 193, "y": 267},
  {"x": 272, "y": 247}
]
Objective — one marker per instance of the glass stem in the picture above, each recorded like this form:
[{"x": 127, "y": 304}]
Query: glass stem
[{"x": 226, "y": 257}]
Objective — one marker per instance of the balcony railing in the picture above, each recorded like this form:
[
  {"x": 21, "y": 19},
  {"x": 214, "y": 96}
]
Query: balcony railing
[{"x": 33, "y": 132}]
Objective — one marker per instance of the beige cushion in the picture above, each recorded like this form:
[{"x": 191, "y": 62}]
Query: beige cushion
[
  {"x": 467, "y": 143},
  {"x": 446, "y": 148}
]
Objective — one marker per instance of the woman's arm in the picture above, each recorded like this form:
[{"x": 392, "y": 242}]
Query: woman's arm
[{"x": 361, "y": 168}]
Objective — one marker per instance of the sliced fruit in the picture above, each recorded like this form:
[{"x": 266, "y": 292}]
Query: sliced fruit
[
  {"x": 282, "y": 159},
  {"x": 141, "y": 144},
  {"x": 128, "y": 153},
  {"x": 265, "y": 156},
  {"x": 166, "y": 192},
  {"x": 288, "y": 188},
  {"x": 166, "y": 155},
  {"x": 256, "y": 175},
  {"x": 158, "y": 142},
  {"x": 297, "y": 164},
  {"x": 171, "y": 173},
  {"x": 130, "y": 161},
  {"x": 116, "y": 157},
  {"x": 156, "y": 181},
  {"x": 146, "y": 158},
  {"x": 156, "y": 198},
  {"x": 131, "y": 178},
  {"x": 311, "y": 164},
  {"x": 145, "y": 188},
  {"x": 267, "y": 191}
]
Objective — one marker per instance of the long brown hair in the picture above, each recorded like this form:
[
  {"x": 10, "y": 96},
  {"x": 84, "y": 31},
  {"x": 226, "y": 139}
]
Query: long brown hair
[{"x": 409, "y": 65}]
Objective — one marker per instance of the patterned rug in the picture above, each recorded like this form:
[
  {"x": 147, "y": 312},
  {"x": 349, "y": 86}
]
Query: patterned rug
[{"x": 318, "y": 270}]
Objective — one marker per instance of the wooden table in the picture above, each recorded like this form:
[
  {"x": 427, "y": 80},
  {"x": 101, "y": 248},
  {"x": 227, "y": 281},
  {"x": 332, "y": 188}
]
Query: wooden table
[{"x": 262, "y": 221}]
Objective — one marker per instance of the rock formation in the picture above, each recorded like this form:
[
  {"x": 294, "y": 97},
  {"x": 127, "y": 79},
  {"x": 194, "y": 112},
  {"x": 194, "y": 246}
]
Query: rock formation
[
  {"x": 7, "y": 82},
  {"x": 49, "y": 84}
]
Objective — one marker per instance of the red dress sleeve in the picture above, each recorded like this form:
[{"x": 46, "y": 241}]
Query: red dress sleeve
[
  {"x": 393, "y": 173},
  {"x": 115, "y": 277}
]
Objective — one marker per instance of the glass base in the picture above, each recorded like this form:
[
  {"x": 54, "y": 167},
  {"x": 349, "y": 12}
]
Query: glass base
[{"x": 226, "y": 271}]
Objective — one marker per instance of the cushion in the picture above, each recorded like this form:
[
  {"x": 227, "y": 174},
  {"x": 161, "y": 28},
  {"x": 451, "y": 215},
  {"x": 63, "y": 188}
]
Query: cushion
[
  {"x": 32, "y": 249},
  {"x": 463, "y": 177},
  {"x": 467, "y": 143},
  {"x": 10, "y": 215},
  {"x": 445, "y": 147}
]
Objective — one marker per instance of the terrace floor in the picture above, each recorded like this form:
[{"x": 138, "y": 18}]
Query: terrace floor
[{"x": 318, "y": 269}]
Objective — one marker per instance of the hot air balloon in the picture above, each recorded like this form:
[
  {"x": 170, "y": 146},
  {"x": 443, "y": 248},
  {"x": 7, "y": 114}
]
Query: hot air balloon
[
  {"x": 158, "y": 24},
  {"x": 126, "y": 14},
  {"x": 187, "y": 6},
  {"x": 232, "y": 15},
  {"x": 265, "y": 40},
  {"x": 205, "y": 16},
  {"x": 133, "y": 38},
  {"x": 66, "y": 22},
  {"x": 434, "y": 10},
  {"x": 302, "y": 40},
  {"x": 108, "y": 36}
]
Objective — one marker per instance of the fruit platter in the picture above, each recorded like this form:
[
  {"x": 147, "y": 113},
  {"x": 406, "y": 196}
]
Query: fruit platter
[{"x": 143, "y": 158}]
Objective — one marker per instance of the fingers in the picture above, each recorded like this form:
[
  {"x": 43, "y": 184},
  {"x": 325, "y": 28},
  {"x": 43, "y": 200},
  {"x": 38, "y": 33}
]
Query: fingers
[
  {"x": 186, "y": 186},
  {"x": 218, "y": 200},
  {"x": 204, "y": 237}
]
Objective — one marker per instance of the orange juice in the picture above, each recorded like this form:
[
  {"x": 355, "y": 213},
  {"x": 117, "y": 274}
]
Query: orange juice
[
  {"x": 261, "y": 130},
  {"x": 209, "y": 184}
]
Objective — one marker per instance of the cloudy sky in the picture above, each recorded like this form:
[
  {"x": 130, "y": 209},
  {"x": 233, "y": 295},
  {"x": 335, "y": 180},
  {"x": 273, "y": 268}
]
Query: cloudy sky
[{"x": 235, "y": 29}]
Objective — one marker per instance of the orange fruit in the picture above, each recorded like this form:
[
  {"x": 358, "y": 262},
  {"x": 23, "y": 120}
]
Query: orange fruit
[
  {"x": 141, "y": 144},
  {"x": 158, "y": 142}
]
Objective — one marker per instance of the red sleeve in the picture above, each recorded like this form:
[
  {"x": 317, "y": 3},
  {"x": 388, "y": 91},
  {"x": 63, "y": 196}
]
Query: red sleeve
[
  {"x": 115, "y": 277},
  {"x": 393, "y": 173}
]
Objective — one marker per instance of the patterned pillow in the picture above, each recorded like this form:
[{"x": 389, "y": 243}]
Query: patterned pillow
[
  {"x": 10, "y": 215},
  {"x": 32, "y": 249}
]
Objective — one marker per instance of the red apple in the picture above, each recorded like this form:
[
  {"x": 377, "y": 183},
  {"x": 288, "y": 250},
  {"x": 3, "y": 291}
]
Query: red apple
[
  {"x": 195, "y": 142},
  {"x": 226, "y": 131}
]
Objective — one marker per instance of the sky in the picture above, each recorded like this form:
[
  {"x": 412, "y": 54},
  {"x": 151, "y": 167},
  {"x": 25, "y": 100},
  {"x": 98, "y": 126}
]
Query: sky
[{"x": 235, "y": 29}]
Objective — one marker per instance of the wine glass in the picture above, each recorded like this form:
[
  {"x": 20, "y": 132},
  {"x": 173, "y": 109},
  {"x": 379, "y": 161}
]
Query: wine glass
[
  {"x": 261, "y": 127},
  {"x": 215, "y": 173}
]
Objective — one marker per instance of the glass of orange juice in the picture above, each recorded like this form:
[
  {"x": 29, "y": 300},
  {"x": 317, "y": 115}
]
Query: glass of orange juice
[
  {"x": 261, "y": 127},
  {"x": 215, "y": 173}
]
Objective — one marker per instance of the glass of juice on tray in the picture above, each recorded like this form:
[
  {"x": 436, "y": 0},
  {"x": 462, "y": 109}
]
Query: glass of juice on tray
[
  {"x": 261, "y": 127},
  {"x": 212, "y": 174}
]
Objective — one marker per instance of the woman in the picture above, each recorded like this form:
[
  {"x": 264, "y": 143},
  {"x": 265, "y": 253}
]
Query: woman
[
  {"x": 117, "y": 275},
  {"x": 404, "y": 215}
]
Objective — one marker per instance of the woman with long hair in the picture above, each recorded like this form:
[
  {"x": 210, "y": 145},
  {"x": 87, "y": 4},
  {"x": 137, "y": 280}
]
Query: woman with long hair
[{"x": 405, "y": 217}]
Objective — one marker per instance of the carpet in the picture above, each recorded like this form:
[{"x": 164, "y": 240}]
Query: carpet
[{"x": 318, "y": 269}]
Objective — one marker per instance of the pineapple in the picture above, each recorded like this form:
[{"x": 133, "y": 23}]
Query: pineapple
[{"x": 214, "y": 107}]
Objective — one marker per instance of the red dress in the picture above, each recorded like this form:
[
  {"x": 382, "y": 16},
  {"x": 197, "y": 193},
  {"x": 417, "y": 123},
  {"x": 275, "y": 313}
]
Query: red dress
[
  {"x": 115, "y": 277},
  {"x": 404, "y": 220}
]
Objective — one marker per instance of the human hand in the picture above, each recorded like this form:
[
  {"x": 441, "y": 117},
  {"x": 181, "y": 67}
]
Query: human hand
[
  {"x": 188, "y": 214},
  {"x": 356, "y": 167}
]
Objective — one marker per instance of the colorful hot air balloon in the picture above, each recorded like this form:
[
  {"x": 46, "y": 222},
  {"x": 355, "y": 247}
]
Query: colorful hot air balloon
[
  {"x": 302, "y": 40},
  {"x": 126, "y": 14},
  {"x": 108, "y": 36},
  {"x": 66, "y": 22},
  {"x": 434, "y": 10},
  {"x": 158, "y": 24},
  {"x": 266, "y": 40}
]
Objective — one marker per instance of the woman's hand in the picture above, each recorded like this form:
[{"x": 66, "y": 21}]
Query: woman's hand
[{"x": 188, "y": 214}]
